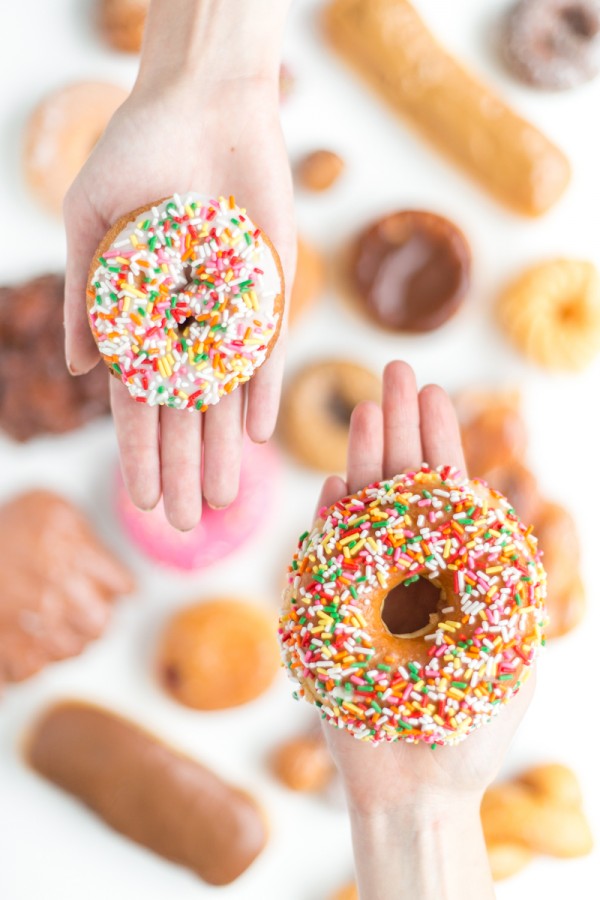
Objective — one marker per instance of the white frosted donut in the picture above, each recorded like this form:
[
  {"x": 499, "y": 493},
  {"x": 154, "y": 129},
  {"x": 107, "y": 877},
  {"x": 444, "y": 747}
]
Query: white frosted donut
[{"x": 185, "y": 300}]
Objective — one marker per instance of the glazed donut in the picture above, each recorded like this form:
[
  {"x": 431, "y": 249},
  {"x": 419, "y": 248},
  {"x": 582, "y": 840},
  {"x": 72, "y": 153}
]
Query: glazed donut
[
  {"x": 324, "y": 394},
  {"x": 122, "y": 23},
  {"x": 308, "y": 281},
  {"x": 61, "y": 134},
  {"x": 185, "y": 300},
  {"x": 430, "y": 529},
  {"x": 218, "y": 654},
  {"x": 552, "y": 313}
]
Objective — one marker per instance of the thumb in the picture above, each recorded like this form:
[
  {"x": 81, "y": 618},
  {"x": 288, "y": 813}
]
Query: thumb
[{"x": 84, "y": 229}]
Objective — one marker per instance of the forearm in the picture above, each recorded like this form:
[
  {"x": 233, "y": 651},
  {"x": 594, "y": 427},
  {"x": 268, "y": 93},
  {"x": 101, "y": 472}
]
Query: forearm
[
  {"x": 432, "y": 856},
  {"x": 200, "y": 40}
]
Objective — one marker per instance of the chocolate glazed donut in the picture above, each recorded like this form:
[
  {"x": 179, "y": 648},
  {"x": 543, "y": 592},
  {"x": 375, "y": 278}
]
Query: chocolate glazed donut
[{"x": 412, "y": 270}]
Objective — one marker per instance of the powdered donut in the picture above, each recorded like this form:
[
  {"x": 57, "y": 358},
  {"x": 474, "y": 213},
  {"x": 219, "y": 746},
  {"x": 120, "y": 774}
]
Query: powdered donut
[{"x": 61, "y": 134}]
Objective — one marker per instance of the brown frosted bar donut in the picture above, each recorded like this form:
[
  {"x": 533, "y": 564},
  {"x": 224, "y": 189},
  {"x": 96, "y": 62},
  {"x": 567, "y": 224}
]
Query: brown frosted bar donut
[
  {"x": 149, "y": 792},
  {"x": 390, "y": 45}
]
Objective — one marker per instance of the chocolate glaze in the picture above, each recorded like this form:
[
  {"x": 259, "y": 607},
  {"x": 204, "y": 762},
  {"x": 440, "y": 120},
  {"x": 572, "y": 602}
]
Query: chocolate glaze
[
  {"x": 37, "y": 393},
  {"x": 412, "y": 270},
  {"x": 159, "y": 798},
  {"x": 57, "y": 583}
]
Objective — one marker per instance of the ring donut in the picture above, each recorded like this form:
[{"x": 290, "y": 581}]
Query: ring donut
[
  {"x": 324, "y": 394},
  {"x": 551, "y": 313},
  {"x": 61, "y": 134},
  {"x": 431, "y": 530},
  {"x": 185, "y": 300},
  {"x": 553, "y": 44}
]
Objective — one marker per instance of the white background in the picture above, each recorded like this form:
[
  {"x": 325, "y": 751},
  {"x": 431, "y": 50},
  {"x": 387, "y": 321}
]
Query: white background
[{"x": 51, "y": 847}]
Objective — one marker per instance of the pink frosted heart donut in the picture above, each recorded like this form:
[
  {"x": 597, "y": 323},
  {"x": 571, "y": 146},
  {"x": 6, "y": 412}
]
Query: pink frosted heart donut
[{"x": 220, "y": 531}]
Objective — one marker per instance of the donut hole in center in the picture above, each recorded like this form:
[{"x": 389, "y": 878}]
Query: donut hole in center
[
  {"x": 412, "y": 609},
  {"x": 580, "y": 21},
  {"x": 340, "y": 408},
  {"x": 569, "y": 312}
]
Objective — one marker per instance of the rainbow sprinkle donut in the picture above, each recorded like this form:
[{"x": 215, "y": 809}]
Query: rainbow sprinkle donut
[
  {"x": 440, "y": 682},
  {"x": 185, "y": 300}
]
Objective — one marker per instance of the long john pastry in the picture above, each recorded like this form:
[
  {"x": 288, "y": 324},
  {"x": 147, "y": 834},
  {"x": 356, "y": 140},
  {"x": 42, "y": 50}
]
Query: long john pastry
[{"x": 390, "y": 45}]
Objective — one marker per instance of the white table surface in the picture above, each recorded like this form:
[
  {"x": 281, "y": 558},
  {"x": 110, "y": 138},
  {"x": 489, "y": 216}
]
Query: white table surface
[{"x": 51, "y": 848}]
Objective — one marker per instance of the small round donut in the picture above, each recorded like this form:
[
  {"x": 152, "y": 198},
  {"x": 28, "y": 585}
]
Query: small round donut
[
  {"x": 185, "y": 300},
  {"x": 551, "y": 312},
  {"x": 122, "y": 23},
  {"x": 427, "y": 535},
  {"x": 553, "y": 44},
  {"x": 218, "y": 654},
  {"x": 60, "y": 135},
  {"x": 324, "y": 395},
  {"x": 412, "y": 270}
]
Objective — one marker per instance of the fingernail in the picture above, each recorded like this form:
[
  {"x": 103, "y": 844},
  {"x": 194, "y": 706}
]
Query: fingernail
[
  {"x": 71, "y": 368},
  {"x": 214, "y": 506}
]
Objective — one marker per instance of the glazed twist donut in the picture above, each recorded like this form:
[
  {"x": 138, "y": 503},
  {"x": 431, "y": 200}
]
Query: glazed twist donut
[
  {"x": 552, "y": 313},
  {"x": 439, "y": 682},
  {"x": 185, "y": 300}
]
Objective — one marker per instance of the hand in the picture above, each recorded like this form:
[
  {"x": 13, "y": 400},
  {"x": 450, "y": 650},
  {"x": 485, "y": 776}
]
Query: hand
[
  {"x": 400, "y": 787},
  {"x": 217, "y": 135}
]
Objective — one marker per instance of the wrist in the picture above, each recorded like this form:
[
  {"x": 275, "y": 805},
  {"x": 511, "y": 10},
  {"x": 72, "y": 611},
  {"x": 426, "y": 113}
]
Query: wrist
[
  {"x": 434, "y": 851},
  {"x": 207, "y": 42}
]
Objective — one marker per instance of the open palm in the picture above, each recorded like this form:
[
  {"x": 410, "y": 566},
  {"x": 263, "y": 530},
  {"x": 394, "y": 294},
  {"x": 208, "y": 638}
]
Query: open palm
[
  {"x": 156, "y": 145},
  {"x": 408, "y": 429}
]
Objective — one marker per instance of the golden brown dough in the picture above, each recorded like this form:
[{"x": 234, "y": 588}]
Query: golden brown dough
[
  {"x": 392, "y": 48},
  {"x": 316, "y": 410},
  {"x": 551, "y": 313},
  {"x": 57, "y": 583},
  {"x": 122, "y": 22},
  {"x": 308, "y": 281},
  {"x": 218, "y": 654},
  {"x": 303, "y": 763},
  {"x": 62, "y": 132},
  {"x": 152, "y": 794},
  {"x": 507, "y": 859},
  {"x": 540, "y": 810}
]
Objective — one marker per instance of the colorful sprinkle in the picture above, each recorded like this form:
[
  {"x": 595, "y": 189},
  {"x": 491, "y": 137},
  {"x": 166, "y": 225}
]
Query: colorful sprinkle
[
  {"x": 466, "y": 539},
  {"x": 183, "y": 302}
]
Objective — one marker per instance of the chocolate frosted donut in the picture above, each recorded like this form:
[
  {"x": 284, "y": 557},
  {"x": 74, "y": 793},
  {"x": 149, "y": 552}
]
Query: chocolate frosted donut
[
  {"x": 37, "y": 393},
  {"x": 412, "y": 270},
  {"x": 553, "y": 44},
  {"x": 148, "y": 792}
]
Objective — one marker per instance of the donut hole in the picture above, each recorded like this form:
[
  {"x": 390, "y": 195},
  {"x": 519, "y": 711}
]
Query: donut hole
[
  {"x": 580, "y": 21},
  {"x": 340, "y": 408},
  {"x": 183, "y": 326},
  {"x": 410, "y": 610},
  {"x": 569, "y": 312}
]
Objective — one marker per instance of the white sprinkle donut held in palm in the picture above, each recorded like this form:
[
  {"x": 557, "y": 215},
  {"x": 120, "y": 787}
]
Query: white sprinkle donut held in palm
[
  {"x": 437, "y": 683},
  {"x": 185, "y": 300}
]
